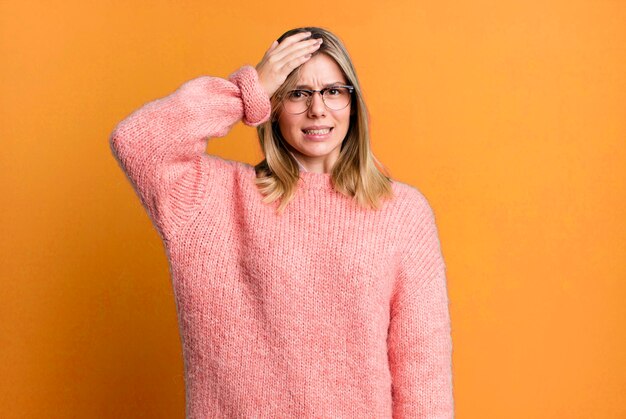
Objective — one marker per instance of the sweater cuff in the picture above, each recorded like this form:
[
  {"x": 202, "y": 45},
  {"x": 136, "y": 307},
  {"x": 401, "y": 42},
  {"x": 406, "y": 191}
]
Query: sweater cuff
[{"x": 256, "y": 104}]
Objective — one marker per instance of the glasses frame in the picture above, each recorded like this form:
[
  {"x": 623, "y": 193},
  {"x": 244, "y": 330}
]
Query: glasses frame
[{"x": 321, "y": 92}]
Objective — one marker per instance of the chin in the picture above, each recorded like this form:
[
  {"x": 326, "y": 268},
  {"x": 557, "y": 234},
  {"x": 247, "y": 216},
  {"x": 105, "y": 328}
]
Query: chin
[{"x": 319, "y": 150}]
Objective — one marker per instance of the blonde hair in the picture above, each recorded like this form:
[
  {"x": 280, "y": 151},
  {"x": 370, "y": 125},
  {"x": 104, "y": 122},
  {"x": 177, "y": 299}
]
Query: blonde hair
[{"x": 355, "y": 173}]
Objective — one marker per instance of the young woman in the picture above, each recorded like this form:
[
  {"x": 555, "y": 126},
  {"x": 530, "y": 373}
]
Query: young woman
[{"x": 311, "y": 284}]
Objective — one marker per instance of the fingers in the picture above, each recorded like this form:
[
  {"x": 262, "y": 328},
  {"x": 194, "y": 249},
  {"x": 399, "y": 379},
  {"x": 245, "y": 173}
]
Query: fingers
[
  {"x": 278, "y": 51},
  {"x": 290, "y": 40},
  {"x": 291, "y": 54},
  {"x": 303, "y": 48},
  {"x": 292, "y": 51},
  {"x": 294, "y": 42},
  {"x": 270, "y": 49},
  {"x": 282, "y": 58}
]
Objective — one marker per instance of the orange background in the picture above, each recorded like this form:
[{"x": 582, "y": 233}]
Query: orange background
[{"x": 509, "y": 116}]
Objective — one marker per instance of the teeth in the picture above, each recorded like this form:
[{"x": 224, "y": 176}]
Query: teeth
[{"x": 317, "y": 131}]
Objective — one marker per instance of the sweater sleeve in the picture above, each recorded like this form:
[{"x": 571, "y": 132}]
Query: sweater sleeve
[
  {"x": 419, "y": 339},
  {"x": 162, "y": 145}
]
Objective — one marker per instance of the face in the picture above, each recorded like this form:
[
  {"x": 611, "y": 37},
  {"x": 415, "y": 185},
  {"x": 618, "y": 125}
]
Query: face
[{"x": 317, "y": 153}]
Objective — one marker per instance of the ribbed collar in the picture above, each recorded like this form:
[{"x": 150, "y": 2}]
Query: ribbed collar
[
  {"x": 314, "y": 180},
  {"x": 307, "y": 180}
]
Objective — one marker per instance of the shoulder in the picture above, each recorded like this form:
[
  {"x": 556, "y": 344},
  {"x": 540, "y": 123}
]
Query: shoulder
[
  {"x": 418, "y": 236},
  {"x": 225, "y": 173},
  {"x": 410, "y": 200}
]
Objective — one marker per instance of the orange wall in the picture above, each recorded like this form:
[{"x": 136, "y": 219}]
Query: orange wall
[{"x": 508, "y": 115}]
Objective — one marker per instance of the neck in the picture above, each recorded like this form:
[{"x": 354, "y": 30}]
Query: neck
[{"x": 299, "y": 163}]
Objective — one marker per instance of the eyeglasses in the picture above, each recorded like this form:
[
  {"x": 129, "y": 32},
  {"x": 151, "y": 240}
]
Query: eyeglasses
[{"x": 335, "y": 98}]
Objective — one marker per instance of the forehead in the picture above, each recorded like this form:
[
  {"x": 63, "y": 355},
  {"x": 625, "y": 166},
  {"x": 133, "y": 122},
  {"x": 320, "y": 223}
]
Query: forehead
[{"x": 320, "y": 71}]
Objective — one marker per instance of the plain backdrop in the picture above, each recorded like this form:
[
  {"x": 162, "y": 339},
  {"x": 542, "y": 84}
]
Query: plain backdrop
[{"x": 508, "y": 115}]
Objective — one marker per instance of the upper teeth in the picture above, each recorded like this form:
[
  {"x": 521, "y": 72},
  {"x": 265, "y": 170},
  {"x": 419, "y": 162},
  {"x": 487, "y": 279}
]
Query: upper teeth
[{"x": 317, "y": 131}]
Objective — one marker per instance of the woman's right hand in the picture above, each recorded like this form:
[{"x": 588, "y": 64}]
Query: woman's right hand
[{"x": 281, "y": 59}]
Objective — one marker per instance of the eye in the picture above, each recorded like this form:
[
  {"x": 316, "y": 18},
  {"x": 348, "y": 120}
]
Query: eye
[
  {"x": 334, "y": 91},
  {"x": 298, "y": 94}
]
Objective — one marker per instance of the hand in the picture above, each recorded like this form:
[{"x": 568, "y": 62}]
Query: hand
[{"x": 281, "y": 59}]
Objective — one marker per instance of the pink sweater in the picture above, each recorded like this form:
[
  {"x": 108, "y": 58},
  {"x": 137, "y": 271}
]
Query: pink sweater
[{"x": 328, "y": 311}]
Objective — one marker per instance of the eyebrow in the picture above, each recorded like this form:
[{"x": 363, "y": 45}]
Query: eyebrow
[{"x": 306, "y": 86}]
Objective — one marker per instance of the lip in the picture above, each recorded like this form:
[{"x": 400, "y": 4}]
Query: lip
[
  {"x": 317, "y": 127},
  {"x": 317, "y": 137}
]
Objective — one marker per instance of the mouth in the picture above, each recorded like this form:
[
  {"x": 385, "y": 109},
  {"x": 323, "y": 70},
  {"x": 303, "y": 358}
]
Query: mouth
[{"x": 317, "y": 132}]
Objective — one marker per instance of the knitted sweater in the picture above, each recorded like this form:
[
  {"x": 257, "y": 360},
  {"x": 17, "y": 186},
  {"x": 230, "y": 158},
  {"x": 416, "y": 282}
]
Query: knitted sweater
[{"x": 329, "y": 310}]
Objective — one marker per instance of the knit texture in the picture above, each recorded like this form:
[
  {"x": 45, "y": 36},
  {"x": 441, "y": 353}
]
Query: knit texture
[{"x": 330, "y": 310}]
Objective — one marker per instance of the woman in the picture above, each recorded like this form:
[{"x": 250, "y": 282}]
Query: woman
[{"x": 310, "y": 285}]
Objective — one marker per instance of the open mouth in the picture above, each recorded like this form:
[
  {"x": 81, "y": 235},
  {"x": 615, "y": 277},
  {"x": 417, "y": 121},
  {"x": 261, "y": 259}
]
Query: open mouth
[{"x": 317, "y": 131}]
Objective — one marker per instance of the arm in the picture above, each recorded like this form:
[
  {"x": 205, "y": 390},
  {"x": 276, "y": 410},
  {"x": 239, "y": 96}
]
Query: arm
[
  {"x": 161, "y": 146},
  {"x": 419, "y": 340}
]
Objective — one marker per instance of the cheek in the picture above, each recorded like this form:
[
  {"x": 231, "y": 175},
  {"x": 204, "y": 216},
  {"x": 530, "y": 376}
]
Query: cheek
[
  {"x": 288, "y": 124},
  {"x": 345, "y": 118},
  {"x": 289, "y": 129},
  {"x": 346, "y": 113}
]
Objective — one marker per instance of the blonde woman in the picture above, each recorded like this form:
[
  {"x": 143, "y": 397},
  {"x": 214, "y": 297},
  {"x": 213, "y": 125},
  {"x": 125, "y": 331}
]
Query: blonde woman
[{"x": 311, "y": 284}]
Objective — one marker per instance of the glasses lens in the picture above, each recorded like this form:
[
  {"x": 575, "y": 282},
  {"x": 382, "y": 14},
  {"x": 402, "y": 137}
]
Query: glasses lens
[
  {"x": 335, "y": 98},
  {"x": 297, "y": 101}
]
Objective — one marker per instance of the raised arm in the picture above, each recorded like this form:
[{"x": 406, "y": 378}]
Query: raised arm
[
  {"x": 161, "y": 146},
  {"x": 419, "y": 339}
]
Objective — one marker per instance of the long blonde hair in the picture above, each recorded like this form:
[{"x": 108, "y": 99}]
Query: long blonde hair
[{"x": 355, "y": 173}]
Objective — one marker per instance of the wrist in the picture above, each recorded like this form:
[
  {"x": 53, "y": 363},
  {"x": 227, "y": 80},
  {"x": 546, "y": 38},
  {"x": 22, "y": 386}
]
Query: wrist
[{"x": 256, "y": 101}]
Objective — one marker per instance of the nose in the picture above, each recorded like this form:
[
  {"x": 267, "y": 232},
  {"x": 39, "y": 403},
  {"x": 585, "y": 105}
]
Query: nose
[{"x": 317, "y": 106}]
